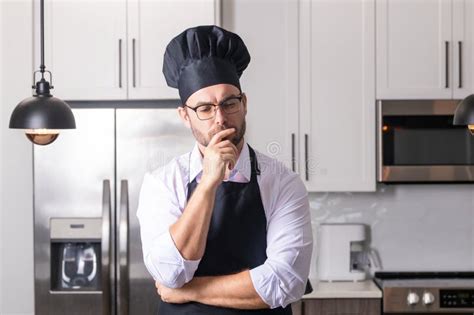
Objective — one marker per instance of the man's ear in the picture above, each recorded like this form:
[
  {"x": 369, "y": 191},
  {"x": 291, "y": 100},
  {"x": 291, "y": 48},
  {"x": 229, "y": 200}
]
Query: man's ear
[
  {"x": 183, "y": 114},
  {"x": 244, "y": 102}
]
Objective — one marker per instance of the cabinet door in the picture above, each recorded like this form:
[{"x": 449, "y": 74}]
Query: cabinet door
[
  {"x": 152, "y": 25},
  {"x": 85, "y": 48},
  {"x": 338, "y": 95},
  {"x": 414, "y": 49},
  {"x": 340, "y": 307},
  {"x": 271, "y": 79},
  {"x": 463, "y": 43}
]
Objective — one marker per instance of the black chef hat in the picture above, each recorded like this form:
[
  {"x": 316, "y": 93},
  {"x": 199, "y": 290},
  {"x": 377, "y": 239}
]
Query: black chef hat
[{"x": 203, "y": 56}]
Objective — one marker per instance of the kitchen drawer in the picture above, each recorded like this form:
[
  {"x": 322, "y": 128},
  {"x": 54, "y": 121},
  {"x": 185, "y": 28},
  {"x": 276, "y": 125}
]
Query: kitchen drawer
[{"x": 337, "y": 307}]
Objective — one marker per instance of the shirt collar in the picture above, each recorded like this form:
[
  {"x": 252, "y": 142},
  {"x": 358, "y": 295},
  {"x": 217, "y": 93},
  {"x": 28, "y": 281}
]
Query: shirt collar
[{"x": 242, "y": 166}]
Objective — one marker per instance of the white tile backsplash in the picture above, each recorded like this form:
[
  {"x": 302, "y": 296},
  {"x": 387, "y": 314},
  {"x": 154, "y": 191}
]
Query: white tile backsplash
[{"x": 413, "y": 227}]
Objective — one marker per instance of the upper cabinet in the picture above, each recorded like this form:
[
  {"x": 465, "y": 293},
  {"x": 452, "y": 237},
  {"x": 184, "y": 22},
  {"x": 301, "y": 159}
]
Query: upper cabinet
[
  {"x": 463, "y": 43},
  {"x": 311, "y": 87},
  {"x": 151, "y": 26},
  {"x": 113, "y": 50},
  {"x": 337, "y": 95},
  {"x": 271, "y": 78},
  {"x": 424, "y": 49}
]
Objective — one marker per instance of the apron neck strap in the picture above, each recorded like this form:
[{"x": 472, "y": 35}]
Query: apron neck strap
[{"x": 254, "y": 163}]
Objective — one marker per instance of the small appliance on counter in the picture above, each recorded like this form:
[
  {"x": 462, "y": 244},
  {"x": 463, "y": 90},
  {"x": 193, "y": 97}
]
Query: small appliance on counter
[
  {"x": 427, "y": 292},
  {"x": 344, "y": 254}
]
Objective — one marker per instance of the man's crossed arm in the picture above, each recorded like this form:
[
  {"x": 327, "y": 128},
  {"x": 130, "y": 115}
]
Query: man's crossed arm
[{"x": 233, "y": 291}]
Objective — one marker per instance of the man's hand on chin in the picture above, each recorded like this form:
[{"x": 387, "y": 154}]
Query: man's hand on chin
[{"x": 176, "y": 296}]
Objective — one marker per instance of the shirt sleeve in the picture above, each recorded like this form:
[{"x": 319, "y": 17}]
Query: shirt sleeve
[
  {"x": 282, "y": 279},
  {"x": 158, "y": 209}
]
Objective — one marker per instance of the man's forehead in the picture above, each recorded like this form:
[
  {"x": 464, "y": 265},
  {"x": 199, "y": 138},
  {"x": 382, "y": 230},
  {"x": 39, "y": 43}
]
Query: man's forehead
[{"x": 213, "y": 93}]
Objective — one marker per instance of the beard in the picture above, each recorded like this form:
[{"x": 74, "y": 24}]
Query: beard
[{"x": 235, "y": 138}]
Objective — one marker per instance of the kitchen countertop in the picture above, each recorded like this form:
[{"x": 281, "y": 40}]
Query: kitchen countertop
[{"x": 343, "y": 290}]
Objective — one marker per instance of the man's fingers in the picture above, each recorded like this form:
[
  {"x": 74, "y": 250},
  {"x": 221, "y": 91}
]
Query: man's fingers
[
  {"x": 230, "y": 158},
  {"x": 220, "y": 135},
  {"x": 158, "y": 287},
  {"x": 228, "y": 150},
  {"x": 227, "y": 144}
]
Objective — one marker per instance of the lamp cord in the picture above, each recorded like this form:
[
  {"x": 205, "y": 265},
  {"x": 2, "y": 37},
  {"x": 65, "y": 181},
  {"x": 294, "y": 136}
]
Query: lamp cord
[{"x": 42, "y": 67}]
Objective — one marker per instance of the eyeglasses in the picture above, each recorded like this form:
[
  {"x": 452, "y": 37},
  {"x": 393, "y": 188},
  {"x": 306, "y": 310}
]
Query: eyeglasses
[{"x": 229, "y": 105}]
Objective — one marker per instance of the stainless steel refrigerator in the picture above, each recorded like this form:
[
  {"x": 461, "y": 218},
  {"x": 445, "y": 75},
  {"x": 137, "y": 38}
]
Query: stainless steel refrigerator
[{"x": 88, "y": 256}]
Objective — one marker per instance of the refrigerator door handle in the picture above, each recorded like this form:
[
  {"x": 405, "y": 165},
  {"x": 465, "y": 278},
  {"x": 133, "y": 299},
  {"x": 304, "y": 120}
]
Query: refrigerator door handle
[
  {"x": 123, "y": 250},
  {"x": 106, "y": 247}
]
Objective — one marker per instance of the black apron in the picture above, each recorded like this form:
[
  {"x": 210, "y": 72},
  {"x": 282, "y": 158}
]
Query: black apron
[{"x": 237, "y": 240}]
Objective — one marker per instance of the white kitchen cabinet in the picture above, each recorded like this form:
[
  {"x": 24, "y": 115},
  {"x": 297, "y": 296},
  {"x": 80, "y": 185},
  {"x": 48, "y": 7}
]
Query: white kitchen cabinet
[
  {"x": 424, "y": 49},
  {"x": 85, "y": 48},
  {"x": 337, "y": 95},
  {"x": 113, "y": 50},
  {"x": 312, "y": 73},
  {"x": 152, "y": 24},
  {"x": 463, "y": 45},
  {"x": 271, "y": 79}
]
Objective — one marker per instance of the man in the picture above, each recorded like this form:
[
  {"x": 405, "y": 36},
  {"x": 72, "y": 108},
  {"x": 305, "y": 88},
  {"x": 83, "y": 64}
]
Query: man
[{"x": 225, "y": 229}]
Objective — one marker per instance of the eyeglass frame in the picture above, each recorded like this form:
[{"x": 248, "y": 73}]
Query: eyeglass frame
[{"x": 219, "y": 104}]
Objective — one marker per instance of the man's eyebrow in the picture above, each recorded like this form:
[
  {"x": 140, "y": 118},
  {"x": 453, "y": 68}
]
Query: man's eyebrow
[{"x": 223, "y": 99}]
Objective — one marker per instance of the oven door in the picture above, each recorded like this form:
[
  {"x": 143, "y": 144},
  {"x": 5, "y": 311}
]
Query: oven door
[{"x": 417, "y": 142}]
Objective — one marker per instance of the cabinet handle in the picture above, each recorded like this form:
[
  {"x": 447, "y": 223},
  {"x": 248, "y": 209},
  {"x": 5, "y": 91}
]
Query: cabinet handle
[
  {"x": 306, "y": 156},
  {"x": 133, "y": 62},
  {"x": 293, "y": 166},
  {"x": 460, "y": 63},
  {"x": 446, "y": 45},
  {"x": 120, "y": 63}
]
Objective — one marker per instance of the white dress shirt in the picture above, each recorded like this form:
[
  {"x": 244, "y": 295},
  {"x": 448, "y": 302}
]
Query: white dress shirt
[{"x": 281, "y": 280}]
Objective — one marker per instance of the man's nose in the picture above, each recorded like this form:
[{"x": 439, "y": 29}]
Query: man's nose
[{"x": 221, "y": 117}]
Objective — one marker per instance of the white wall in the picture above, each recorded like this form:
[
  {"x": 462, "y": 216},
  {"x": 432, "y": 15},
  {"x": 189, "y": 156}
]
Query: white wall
[{"x": 16, "y": 210}]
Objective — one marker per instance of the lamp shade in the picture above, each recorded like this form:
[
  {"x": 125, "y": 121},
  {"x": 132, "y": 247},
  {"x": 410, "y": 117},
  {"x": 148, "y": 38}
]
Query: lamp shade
[
  {"x": 42, "y": 112},
  {"x": 464, "y": 114}
]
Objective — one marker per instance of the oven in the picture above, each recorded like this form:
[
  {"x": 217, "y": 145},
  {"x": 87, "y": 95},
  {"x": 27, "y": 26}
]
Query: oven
[
  {"x": 418, "y": 143},
  {"x": 426, "y": 292}
]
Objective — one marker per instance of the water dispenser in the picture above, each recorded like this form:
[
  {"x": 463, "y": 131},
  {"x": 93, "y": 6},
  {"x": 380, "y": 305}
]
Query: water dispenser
[{"x": 75, "y": 254}]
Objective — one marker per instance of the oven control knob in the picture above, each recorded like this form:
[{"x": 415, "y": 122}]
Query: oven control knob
[
  {"x": 428, "y": 298},
  {"x": 412, "y": 298}
]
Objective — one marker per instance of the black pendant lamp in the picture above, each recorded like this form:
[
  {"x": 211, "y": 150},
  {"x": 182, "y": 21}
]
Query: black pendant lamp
[
  {"x": 42, "y": 115},
  {"x": 464, "y": 114}
]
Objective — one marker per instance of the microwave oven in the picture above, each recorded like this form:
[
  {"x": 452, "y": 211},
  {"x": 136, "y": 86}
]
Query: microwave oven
[{"x": 418, "y": 143}]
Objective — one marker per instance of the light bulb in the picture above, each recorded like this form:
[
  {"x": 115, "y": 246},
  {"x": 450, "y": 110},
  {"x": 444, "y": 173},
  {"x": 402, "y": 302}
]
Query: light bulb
[{"x": 42, "y": 136}]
